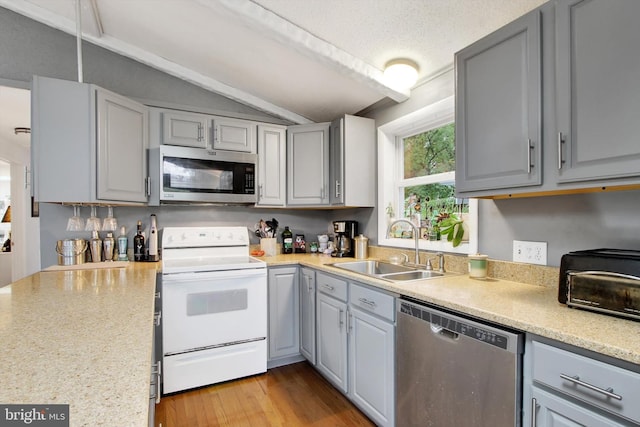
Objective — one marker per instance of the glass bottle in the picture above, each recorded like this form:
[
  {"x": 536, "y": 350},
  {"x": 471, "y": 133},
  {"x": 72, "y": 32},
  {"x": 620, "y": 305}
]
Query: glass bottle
[
  {"x": 287, "y": 241},
  {"x": 138, "y": 244},
  {"x": 122, "y": 245}
]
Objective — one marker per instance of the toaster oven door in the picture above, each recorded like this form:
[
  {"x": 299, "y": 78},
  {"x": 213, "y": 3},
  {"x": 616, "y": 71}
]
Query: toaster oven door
[{"x": 603, "y": 291}]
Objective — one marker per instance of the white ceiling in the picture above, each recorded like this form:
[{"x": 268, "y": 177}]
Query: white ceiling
[{"x": 302, "y": 60}]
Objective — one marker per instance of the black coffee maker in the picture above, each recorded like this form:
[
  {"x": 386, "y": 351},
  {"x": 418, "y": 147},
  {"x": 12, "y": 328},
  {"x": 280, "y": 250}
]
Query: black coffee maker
[{"x": 344, "y": 233}]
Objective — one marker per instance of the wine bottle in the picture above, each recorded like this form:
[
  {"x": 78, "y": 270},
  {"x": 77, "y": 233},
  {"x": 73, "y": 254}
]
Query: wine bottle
[
  {"x": 138, "y": 244},
  {"x": 287, "y": 241}
]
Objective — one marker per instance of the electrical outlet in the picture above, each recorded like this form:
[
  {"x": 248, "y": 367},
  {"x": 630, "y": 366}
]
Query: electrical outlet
[{"x": 530, "y": 252}]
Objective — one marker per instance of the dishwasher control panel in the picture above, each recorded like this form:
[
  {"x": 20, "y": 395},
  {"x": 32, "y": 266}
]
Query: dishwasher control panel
[{"x": 455, "y": 326}]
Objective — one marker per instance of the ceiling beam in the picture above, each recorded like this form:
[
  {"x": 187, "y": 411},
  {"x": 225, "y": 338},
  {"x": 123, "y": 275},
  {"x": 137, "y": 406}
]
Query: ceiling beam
[
  {"x": 56, "y": 21},
  {"x": 299, "y": 39}
]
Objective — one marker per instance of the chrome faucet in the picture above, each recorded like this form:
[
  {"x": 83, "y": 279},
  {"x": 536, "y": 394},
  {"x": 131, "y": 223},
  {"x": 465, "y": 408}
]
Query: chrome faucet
[
  {"x": 440, "y": 256},
  {"x": 416, "y": 235}
]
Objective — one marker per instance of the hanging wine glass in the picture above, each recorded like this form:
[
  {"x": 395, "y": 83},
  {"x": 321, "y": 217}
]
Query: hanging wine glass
[
  {"x": 75, "y": 223},
  {"x": 110, "y": 223},
  {"x": 93, "y": 222}
]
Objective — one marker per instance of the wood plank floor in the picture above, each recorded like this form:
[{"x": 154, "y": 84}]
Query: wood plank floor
[{"x": 292, "y": 395}]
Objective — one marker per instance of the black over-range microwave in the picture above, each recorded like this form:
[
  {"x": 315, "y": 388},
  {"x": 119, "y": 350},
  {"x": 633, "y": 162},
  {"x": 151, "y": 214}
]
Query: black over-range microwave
[{"x": 196, "y": 175}]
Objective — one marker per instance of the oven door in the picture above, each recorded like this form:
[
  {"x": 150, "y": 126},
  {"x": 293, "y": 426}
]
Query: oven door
[{"x": 209, "y": 309}]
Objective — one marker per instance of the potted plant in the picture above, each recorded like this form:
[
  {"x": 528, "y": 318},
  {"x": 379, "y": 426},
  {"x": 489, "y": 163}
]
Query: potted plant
[{"x": 452, "y": 227}]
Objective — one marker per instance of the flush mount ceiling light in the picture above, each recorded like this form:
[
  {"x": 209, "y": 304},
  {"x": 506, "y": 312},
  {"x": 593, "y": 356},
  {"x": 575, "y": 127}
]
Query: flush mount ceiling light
[{"x": 401, "y": 73}]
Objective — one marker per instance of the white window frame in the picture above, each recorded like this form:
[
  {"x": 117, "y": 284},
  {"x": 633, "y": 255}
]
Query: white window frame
[{"x": 390, "y": 163}]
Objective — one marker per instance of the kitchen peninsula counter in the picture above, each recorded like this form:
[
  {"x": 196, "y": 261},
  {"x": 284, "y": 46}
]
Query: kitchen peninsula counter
[
  {"x": 83, "y": 338},
  {"x": 529, "y": 308}
]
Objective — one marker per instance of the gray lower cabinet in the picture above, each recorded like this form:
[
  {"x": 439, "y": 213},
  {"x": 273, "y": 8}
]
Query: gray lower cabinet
[
  {"x": 284, "y": 315},
  {"x": 308, "y": 314},
  {"x": 372, "y": 353},
  {"x": 356, "y": 344},
  {"x": 598, "y": 97},
  {"x": 564, "y": 388},
  {"x": 272, "y": 158},
  {"x": 498, "y": 98},
  {"x": 331, "y": 312},
  {"x": 308, "y": 165},
  {"x": 89, "y": 145}
]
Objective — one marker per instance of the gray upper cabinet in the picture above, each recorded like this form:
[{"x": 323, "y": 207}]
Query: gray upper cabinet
[
  {"x": 308, "y": 164},
  {"x": 185, "y": 129},
  {"x": 234, "y": 135},
  {"x": 352, "y": 162},
  {"x": 498, "y": 98},
  {"x": 272, "y": 157},
  {"x": 598, "y": 96},
  {"x": 88, "y": 144}
]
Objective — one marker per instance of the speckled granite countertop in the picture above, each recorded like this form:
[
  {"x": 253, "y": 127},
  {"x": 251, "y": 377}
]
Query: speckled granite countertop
[
  {"x": 82, "y": 338},
  {"x": 529, "y": 308}
]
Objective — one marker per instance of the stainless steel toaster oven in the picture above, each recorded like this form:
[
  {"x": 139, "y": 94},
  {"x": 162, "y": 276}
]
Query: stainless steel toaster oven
[{"x": 602, "y": 280}]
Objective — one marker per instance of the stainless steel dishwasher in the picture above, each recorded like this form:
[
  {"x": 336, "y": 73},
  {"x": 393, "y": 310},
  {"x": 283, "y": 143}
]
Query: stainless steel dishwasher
[{"x": 452, "y": 371}]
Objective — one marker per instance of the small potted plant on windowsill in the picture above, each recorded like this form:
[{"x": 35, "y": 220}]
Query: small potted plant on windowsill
[{"x": 452, "y": 227}]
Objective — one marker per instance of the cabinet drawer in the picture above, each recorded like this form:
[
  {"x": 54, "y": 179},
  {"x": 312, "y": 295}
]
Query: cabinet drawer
[
  {"x": 373, "y": 301},
  {"x": 333, "y": 286},
  {"x": 600, "y": 384}
]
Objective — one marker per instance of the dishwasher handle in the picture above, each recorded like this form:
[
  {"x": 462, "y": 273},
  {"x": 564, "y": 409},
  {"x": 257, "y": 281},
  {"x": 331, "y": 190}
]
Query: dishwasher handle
[{"x": 444, "y": 332}]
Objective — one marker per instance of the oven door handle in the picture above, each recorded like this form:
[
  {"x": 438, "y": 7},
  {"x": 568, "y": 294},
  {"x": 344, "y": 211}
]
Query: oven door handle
[{"x": 168, "y": 278}]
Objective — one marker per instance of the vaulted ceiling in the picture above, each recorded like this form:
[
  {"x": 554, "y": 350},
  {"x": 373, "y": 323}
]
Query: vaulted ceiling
[{"x": 301, "y": 60}]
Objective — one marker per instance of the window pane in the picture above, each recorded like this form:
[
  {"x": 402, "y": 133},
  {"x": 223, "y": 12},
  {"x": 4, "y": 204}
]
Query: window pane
[
  {"x": 430, "y": 152},
  {"x": 425, "y": 203}
]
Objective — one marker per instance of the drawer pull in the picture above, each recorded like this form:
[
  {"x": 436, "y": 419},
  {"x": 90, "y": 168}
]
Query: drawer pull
[
  {"x": 576, "y": 380},
  {"x": 370, "y": 303},
  {"x": 534, "y": 408},
  {"x": 328, "y": 287}
]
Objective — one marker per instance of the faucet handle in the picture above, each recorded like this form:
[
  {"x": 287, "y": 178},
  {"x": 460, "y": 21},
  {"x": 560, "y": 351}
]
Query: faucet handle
[{"x": 429, "y": 266}]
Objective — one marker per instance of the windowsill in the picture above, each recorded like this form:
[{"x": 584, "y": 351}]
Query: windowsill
[{"x": 427, "y": 245}]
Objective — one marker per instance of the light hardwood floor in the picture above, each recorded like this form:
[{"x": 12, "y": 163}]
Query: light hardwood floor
[{"x": 293, "y": 395}]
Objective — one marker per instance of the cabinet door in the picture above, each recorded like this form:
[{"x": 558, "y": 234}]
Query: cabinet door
[
  {"x": 308, "y": 314},
  {"x": 121, "y": 148},
  {"x": 554, "y": 411},
  {"x": 336, "y": 163},
  {"x": 307, "y": 164},
  {"x": 332, "y": 340},
  {"x": 372, "y": 366},
  {"x": 188, "y": 130},
  {"x": 498, "y": 92},
  {"x": 284, "y": 312},
  {"x": 234, "y": 135},
  {"x": 272, "y": 148},
  {"x": 598, "y": 96}
]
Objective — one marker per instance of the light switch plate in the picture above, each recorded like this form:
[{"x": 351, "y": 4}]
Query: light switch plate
[{"x": 530, "y": 252}]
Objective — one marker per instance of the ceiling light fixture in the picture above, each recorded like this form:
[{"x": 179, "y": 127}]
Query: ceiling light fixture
[{"x": 401, "y": 73}]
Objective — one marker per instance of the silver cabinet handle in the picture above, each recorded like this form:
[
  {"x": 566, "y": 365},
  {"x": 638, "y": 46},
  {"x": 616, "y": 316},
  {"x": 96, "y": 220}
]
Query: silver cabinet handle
[
  {"x": 147, "y": 186},
  {"x": 158, "y": 382},
  {"x": 340, "y": 321},
  {"x": 529, "y": 148},
  {"x": 157, "y": 317},
  {"x": 309, "y": 286},
  {"x": 260, "y": 191},
  {"x": 158, "y": 295},
  {"x": 560, "y": 142},
  {"x": 534, "y": 407},
  {"x": 370, "y": 303},
  {"x": 338, "y": 185},
  {"x": 200, "y": 133},
  {"x": 576, "y": 380},
  {"x": 328, "y": 287}
]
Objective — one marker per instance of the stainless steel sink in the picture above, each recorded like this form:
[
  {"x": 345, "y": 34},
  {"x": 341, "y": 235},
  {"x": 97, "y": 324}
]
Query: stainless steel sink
[
  {"x": 387, "y": 271},
  {"x": 372, "y": 267},
  {"x": 411, "y": 275}
]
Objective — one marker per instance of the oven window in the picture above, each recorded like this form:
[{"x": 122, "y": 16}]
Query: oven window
[{"x": 216, "y": 302}]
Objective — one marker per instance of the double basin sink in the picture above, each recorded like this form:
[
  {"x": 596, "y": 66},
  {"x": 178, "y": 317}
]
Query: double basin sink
[{"x": 387, "y": 271}]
